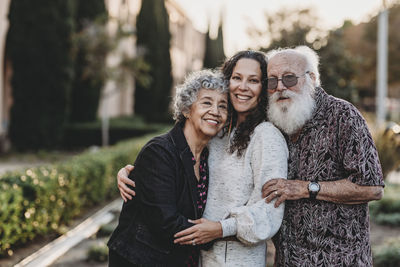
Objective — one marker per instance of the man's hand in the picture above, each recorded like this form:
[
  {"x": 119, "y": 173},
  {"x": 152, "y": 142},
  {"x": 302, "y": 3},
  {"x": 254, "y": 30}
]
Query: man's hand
[
  {"x": 202, "y": 232},
  {"x": 123, "y": 181},
  {"x": 283, "y": 189}
]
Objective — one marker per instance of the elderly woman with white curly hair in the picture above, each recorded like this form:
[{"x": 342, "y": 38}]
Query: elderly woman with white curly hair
[{"x": 171, "y": 176}]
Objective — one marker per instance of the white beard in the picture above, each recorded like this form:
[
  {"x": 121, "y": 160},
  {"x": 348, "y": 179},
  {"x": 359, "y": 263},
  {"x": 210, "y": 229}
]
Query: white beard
[{"x": 291, "y": 115}]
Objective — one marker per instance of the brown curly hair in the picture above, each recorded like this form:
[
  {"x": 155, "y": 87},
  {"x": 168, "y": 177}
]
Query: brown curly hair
[{"x": 243, "y": 132}]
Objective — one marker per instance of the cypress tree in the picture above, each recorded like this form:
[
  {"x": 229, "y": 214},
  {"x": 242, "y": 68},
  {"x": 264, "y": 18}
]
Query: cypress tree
[
  {"x": 153, "y": 37},
  {"x": 39, "y": 48},
  {"x": 214, "y": 55},
  {"x": 87, "y": 86}
]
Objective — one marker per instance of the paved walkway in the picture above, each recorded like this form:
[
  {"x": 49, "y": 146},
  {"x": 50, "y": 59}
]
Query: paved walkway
[{"x": 55, "y": 249}]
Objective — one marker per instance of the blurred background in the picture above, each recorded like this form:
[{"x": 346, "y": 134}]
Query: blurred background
[{"x": 85, "y": 83}]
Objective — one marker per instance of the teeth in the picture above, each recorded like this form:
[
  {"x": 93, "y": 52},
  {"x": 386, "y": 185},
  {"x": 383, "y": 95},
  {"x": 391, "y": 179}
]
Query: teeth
[
  {"x": 212, "y": 121},
  {"x": 242, "y": 97}
]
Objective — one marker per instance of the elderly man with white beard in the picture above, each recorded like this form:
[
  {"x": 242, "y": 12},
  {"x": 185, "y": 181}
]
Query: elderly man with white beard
[{"x": 334, "y": 170}]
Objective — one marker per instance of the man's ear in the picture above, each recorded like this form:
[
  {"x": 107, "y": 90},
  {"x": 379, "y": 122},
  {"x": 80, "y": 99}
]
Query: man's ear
[{"x": 313, "y": 77}]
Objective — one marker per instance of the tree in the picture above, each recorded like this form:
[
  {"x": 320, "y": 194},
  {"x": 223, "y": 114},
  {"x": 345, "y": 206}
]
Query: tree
[
  {"x": 214, "y": 53},
  {"x": 153, "y": 39},
  {"x": 365, "y": 48},
  {"x": 88, "y": 82},
  {"x": 39, "y": 49},
  {"x": 337, "y": 67}
]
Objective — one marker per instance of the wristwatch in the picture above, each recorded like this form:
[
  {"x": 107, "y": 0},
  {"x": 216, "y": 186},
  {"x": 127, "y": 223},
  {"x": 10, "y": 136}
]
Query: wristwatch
[{"x": 313, "y": 189}]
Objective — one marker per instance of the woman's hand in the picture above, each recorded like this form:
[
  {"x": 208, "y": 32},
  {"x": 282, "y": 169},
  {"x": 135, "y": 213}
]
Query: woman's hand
[
  {"x": 202, "y": 232},
  {"x": 123, "y": 181}
]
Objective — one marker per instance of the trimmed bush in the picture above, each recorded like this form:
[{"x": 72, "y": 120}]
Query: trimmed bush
[
  {"x": 43, "y": 200},
  {"x": 98, "y": 253},
  {"x": 388, "y": 145},
  {"x": 153, "y": 38},
  {"x": 86, "y": 134},
  {"x": 388, "y": 255},
  {"x": 91, "y": 52},
  {"x": 387, "y": 210},
  {"x": 39, "y": 46}
]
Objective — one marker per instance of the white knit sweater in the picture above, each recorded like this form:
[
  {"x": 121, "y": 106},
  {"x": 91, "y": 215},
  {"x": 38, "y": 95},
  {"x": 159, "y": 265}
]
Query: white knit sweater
[{"x": 234, "y": 197}]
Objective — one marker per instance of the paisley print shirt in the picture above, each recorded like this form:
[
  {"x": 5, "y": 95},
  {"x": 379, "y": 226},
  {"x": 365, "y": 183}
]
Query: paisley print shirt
[{"x": 335, "y": 144}]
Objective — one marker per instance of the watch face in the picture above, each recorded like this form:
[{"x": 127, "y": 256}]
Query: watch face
[{"x": 314, "y": 187}]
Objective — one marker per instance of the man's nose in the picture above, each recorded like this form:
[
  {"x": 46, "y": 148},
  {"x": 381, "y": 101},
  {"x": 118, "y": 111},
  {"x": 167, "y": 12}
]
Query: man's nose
[{"x": 280, "y": 86}]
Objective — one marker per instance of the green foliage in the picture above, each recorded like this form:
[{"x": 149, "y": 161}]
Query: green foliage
[
  {"x": 214, "y": 55},
  {"x": 337, "y": 66},
  {"x": 388, "y": 146},
  {"x": 370, "y": 36},
  {"x": 387, "y": 210},
  {"x": 91, "y": 51},
  {"x": 98, "y": 253},
  {"x": 153, "y": 39},
  {"x": 42, "y": 200},
  {"x": 105, "y": 230},
  {"x": 39, "y": 46},
  {"x": 388, "y": 255},
  {"x": 89, "y": 133}
]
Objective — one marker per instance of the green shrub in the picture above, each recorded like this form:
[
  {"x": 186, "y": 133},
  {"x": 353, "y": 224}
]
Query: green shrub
[
  {"x": 387, "y": 210},
  {"x": 89, "y": 133},
  {"x": 98, "y": 253},
  {"x": 153, "y": 38},
  {"x": 105, "y": 230},
  {"x": 388, "y": 255},
  {"x": 39, "y": 46},
  {"x": 43, "y": 200},
  {"x": 388, "y": 145}
]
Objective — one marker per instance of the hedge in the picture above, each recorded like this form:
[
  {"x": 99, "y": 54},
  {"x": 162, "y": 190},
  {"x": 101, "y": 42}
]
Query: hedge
[
  {"x": 44, "y": 199},
  {"x": 387, "y": 255},
  {"x": 39, "y": 46},
  {"x": 89, "y": 134},
  {"x": 387, "y": 210}
]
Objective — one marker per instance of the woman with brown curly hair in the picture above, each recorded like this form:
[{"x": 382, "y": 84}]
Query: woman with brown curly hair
[{"x": 248, "y": 152}]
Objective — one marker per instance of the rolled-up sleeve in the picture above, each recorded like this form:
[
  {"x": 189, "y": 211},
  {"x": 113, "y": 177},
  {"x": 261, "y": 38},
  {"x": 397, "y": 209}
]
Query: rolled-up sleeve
[
  {"x": 359, "y": 154},
  {"x": 257, "y": 220}
]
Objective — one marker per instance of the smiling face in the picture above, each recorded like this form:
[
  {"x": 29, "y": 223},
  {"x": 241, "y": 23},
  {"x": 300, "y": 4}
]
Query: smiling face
[
  {"x": 286, "y": 64},
  {"x": 207, "y": 114},
  {"x": 245, "y": 87},
  {"x": 290, "y": 107}
]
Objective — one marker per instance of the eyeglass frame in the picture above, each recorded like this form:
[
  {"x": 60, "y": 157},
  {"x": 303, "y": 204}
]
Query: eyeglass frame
[{"x": 281, "y": 79}]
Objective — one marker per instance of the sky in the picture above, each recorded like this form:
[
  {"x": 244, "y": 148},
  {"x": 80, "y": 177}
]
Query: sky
[{"x": 239, "y": 15}]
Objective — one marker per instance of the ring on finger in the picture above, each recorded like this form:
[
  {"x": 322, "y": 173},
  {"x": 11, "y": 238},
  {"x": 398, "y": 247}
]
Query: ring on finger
[
  {"x": 276, "y": 193},
  {"x": 193, "y": 243}
]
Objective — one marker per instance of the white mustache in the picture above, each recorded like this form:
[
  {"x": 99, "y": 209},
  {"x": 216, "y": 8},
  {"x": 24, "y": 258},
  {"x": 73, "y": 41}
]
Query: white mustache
[{"x": 284, "y": 93}]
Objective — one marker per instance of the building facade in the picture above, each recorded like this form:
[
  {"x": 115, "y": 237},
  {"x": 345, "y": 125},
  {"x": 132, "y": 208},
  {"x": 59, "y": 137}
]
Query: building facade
[{"x": 187, "y": 51}]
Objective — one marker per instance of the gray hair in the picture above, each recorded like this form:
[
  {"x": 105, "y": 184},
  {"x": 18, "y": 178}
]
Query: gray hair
[
  {"x": 309, "y": 55},
  {"x": 186, "y": 93}
]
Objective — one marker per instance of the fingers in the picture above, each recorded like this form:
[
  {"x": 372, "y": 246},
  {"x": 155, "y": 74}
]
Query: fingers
[
  {"x": 123, "y": 196},
  {"x": 279, "y": 201},
  {"x": 201, "y": 220},
  {"x": 186, "y": 240},
  {"x": 129, "y": 168},
  {"x": 271, "y": 196},
  {"x": 185, "y": 232},
  {"x": 123, "y": 188}
]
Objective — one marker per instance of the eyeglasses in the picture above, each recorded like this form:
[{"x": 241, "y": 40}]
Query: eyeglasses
[{"x": 288, "y": 80}]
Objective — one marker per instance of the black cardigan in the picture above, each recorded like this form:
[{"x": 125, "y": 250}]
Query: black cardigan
[{"x": 165, "y": 200}]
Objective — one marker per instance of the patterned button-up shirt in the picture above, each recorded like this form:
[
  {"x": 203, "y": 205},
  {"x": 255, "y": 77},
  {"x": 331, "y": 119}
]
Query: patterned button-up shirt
[{"x": 335, "y": 144}]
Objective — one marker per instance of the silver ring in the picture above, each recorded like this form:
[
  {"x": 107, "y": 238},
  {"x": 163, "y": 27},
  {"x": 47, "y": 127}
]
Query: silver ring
[
  {"x": 276, "y": 193},
  {"x": 193, "y": 243}
]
